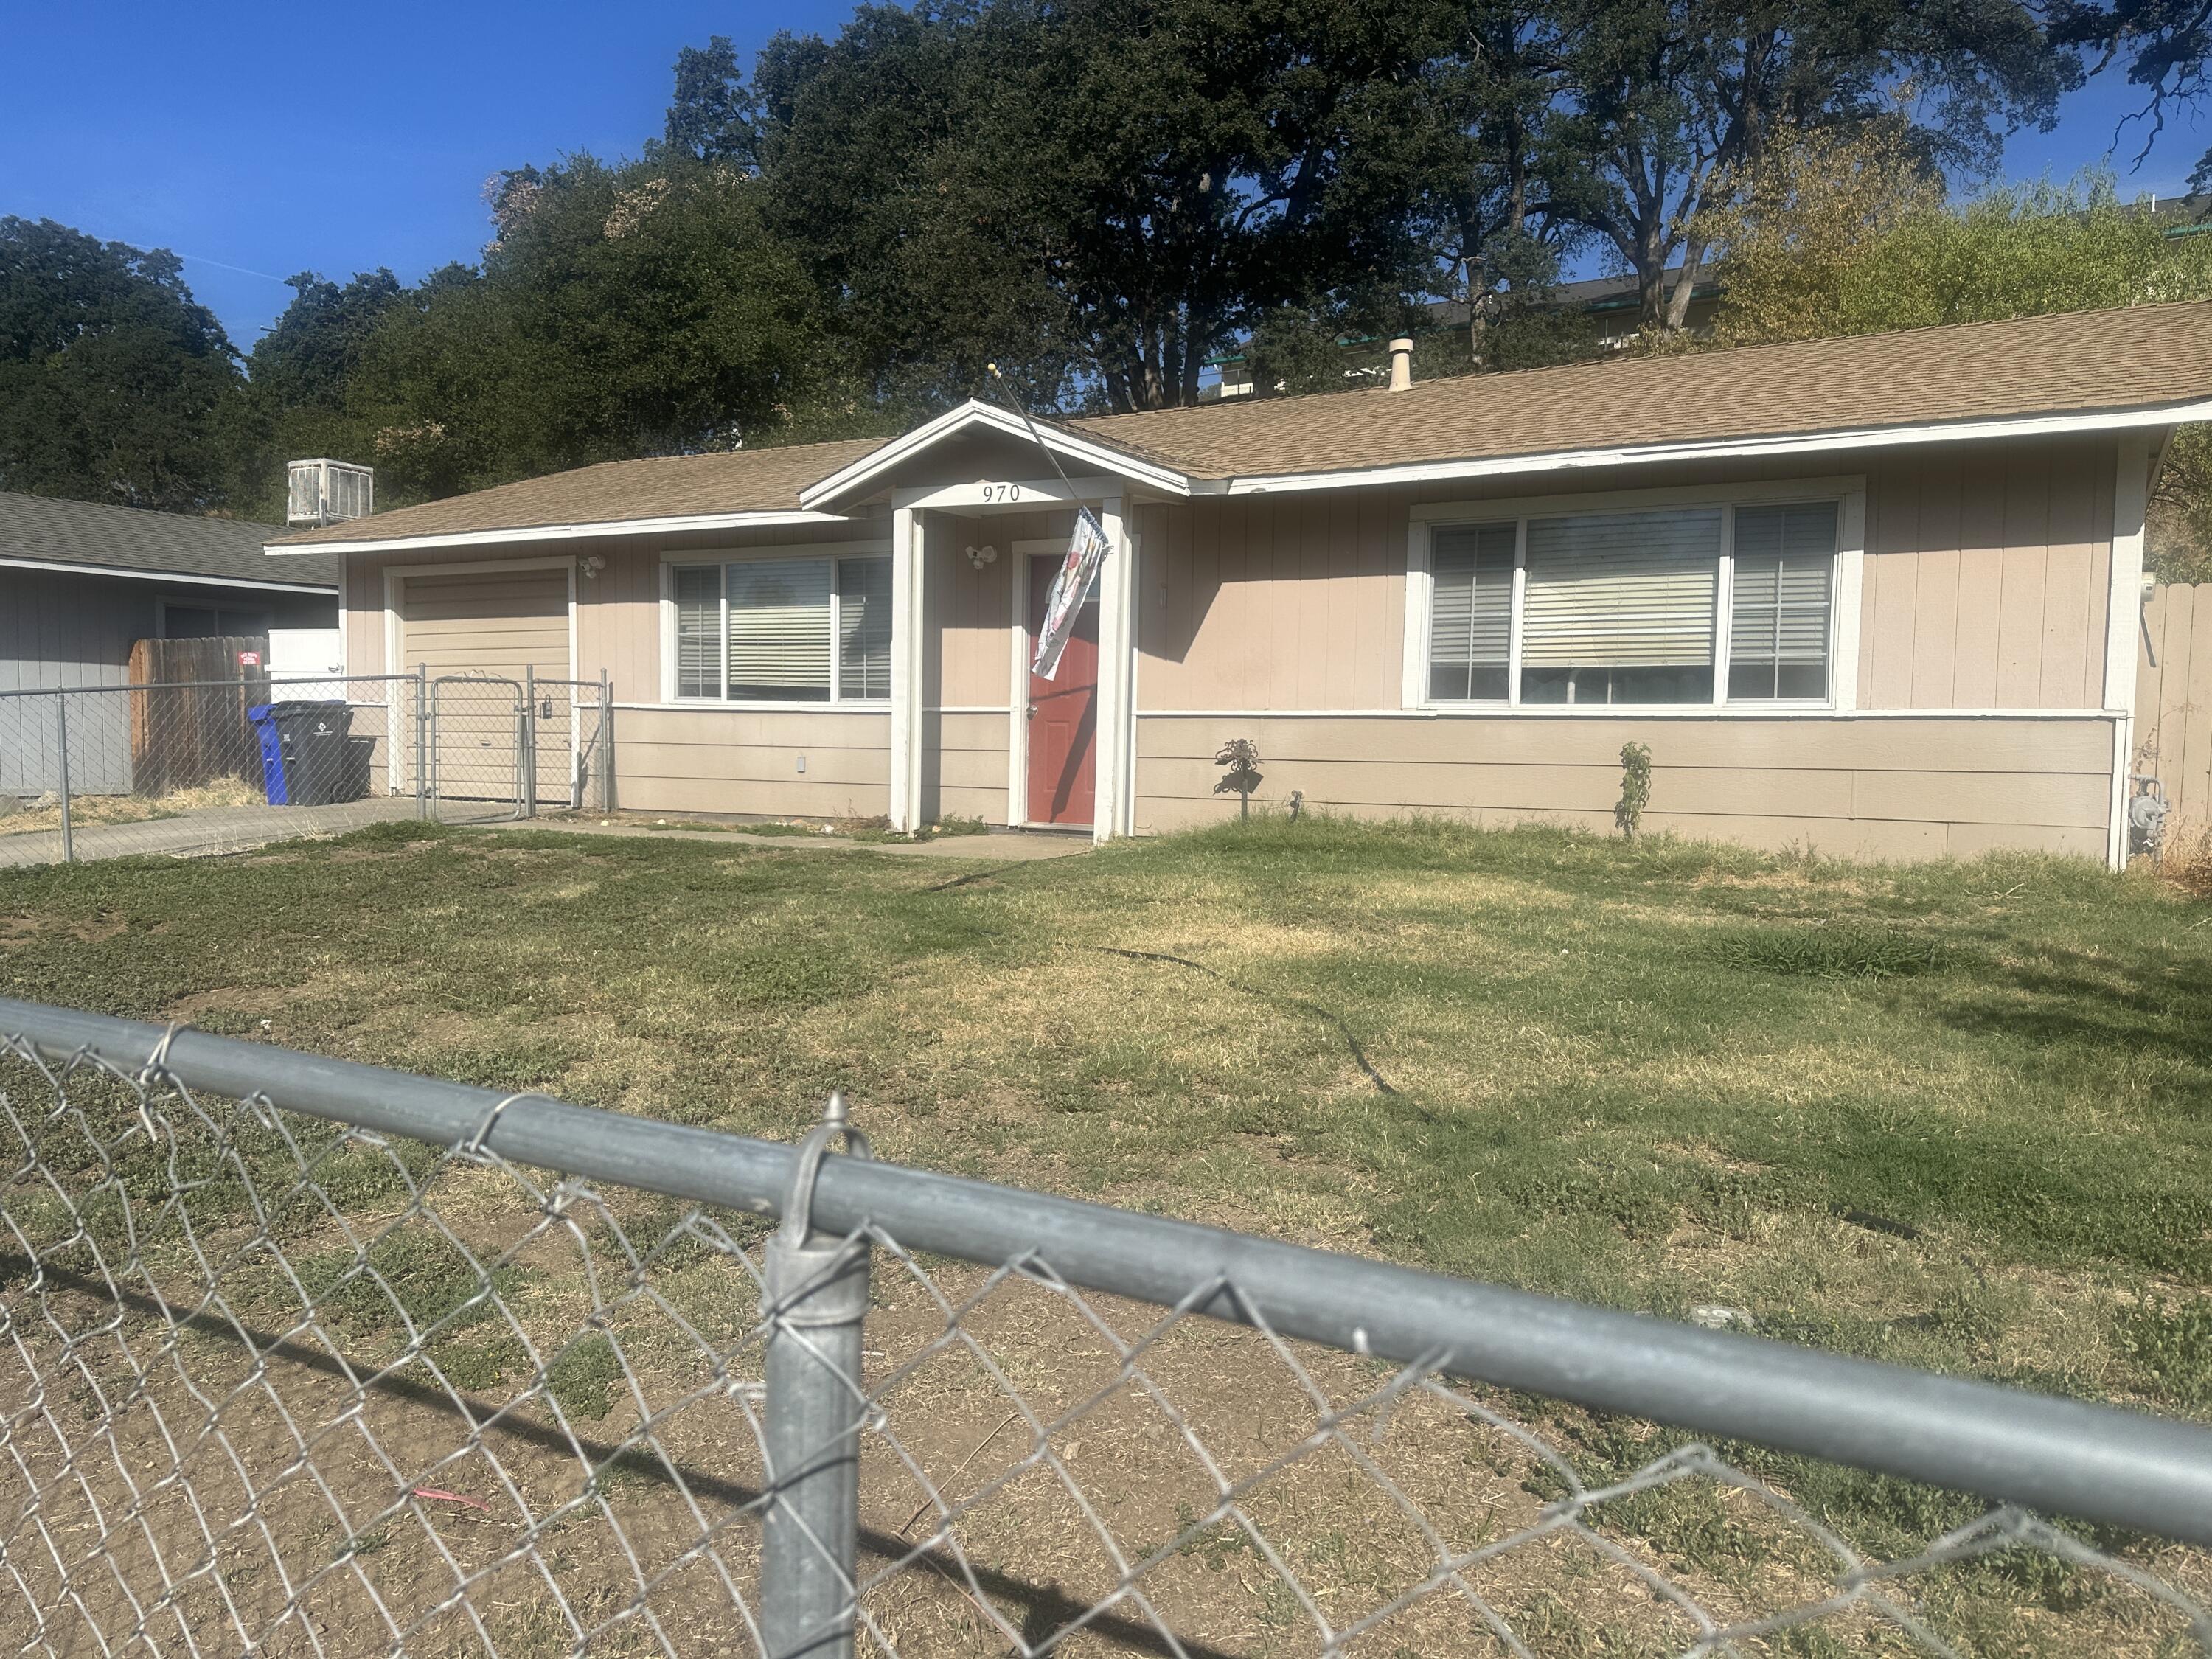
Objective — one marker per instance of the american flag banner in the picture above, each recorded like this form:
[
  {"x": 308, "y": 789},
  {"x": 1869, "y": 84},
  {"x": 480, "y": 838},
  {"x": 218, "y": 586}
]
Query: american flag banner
[{"x": 1086, "y": 550}]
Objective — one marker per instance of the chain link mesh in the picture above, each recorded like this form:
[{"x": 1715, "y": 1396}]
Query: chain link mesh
[
  {"x": 273, "y": 1384},
  {"x": 180, "y": 769}
]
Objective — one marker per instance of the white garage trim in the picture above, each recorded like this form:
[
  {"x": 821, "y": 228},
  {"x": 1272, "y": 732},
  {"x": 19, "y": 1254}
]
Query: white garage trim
[{"x": 394, "y": 577}]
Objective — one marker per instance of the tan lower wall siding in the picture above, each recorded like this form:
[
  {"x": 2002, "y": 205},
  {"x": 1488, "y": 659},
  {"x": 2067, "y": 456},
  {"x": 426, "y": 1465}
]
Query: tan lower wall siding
[
  {"x": 964, "y": 764},
  {"x": 1884, "y": 788},
  {"x": 713, "y": 760}
]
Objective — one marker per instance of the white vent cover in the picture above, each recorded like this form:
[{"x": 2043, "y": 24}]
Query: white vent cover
[{"x": 324, "y": 491}]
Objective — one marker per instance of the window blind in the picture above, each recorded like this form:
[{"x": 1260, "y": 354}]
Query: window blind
[
  {"x": 1618, "y": 607},
  {"x": 864, "y": 628},
  {"x": 778, "y": 630},
  {"x": 698, "y": 631},
  {"x": 1471, "y": 614},
  {"x": 1779, "y": 618}
]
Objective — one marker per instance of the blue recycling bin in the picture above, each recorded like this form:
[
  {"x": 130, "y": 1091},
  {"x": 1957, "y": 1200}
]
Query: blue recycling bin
[{"x": 263, "y": 716}]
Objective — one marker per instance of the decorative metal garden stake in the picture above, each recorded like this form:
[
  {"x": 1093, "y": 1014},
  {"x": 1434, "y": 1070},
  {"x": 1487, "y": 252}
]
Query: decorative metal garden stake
[{"x": 1241, "y": 757}]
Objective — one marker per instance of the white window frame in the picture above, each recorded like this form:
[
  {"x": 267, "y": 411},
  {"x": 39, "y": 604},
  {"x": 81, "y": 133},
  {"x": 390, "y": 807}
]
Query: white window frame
[
  {"x": 1848, "y": 492},
  {"x": 719, "y": 559}
]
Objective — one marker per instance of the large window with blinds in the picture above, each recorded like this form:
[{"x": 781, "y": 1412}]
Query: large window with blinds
[
  {"x": 799, "y": 629},
  {"x": 1639, "y": 608},
  {"x": 1785, "y": 559}
]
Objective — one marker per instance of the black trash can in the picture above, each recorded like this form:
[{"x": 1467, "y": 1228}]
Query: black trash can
[
  {"x": 319, "y": 764},
  {"x": 354, "y": 783}
]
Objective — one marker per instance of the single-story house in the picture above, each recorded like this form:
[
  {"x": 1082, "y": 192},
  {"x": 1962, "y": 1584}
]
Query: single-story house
[
  {"x": 82, "y": 582},
  {"x": 1876, "y": 596}
]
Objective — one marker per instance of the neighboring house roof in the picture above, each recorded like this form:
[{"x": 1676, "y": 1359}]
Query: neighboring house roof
[
  {"x": 43, "y": 532},
  {"x": 2148, "y": 365},
  {"x": 668, "y": 487}
]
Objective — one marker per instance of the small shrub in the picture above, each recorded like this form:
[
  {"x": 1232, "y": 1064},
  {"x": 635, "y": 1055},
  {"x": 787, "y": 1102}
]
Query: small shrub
[{"x": 1635, "y": 788}]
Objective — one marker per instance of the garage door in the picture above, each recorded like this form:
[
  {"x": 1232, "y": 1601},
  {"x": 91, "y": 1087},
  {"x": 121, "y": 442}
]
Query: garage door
[{"x": 478, "y": 632}]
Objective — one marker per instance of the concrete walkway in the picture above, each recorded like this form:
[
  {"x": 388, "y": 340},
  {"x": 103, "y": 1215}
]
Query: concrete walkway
[
  {"x": 197, "y": 835},
  {"x": 241, "y": 828},
  {"x": 1004, "y": 846}
]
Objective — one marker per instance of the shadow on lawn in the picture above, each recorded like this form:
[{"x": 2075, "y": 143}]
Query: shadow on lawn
[{"x": 2155, "y": 1003}]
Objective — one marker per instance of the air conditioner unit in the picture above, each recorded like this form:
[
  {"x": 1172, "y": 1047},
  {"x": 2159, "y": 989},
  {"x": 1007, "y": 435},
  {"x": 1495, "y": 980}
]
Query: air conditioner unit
[{"x": 324, "y": 491}]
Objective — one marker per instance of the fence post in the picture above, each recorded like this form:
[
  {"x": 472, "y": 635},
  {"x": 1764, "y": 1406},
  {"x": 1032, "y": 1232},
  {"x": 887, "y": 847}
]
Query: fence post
[
  {"x": 525, "y": 748},
  {"x": 816, "y": 1296},
  {"x": 61, "y": 731},
  {"x": 606, "y": 742},
  {"x": 422, "y": 740}
]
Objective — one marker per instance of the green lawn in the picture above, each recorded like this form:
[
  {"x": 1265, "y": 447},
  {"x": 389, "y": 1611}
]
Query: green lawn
[{"x": 1957, "y": 1116}]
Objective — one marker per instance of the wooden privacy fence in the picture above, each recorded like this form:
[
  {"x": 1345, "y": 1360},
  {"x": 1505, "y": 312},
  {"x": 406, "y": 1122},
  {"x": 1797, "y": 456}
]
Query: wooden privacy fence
[
  {"x": 189, "y": 728},
  {"x": 2173, "y": 699}
]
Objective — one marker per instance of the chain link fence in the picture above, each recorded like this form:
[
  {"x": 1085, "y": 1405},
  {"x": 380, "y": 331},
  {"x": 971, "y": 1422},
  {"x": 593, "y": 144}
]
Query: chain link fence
[
  {"x": 210, "y": 766},
  {"x": 299, "y": 1355}
]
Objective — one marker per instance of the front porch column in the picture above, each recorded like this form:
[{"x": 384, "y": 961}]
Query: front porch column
[
  {"x": 1114, "y": 810},
  {"x": 906, "y": 566}
]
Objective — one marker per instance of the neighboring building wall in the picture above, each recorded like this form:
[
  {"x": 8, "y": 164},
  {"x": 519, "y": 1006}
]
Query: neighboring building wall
[
  {"x": 2174, "y": 701},
  {"x": 62, "y": 629}
]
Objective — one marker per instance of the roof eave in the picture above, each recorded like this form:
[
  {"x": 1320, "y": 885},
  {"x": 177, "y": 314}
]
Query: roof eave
[
  {"x": 507, "y": 535},
  {"x": 865, "y": 475},
  {"x": 1841, "y": 438},
  {"x": 142, "y": 574}
]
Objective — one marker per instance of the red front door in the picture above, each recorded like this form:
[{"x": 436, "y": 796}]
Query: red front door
[{"x": 1063, "y": 712}]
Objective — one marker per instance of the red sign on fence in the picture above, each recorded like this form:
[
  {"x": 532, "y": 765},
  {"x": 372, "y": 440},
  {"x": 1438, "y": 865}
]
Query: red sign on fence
[{"x": 249, "y": 659}]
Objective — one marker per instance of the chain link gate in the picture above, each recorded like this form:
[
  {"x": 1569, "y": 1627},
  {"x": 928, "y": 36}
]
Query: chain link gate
[{"x": 190, "y": 767}]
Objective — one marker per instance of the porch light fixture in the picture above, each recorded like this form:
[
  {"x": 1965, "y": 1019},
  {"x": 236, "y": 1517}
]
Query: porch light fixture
[{"x": 979, "y": 557}]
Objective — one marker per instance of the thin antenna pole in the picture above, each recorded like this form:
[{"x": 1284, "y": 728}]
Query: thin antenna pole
[{"x": 1013, "y": 398}]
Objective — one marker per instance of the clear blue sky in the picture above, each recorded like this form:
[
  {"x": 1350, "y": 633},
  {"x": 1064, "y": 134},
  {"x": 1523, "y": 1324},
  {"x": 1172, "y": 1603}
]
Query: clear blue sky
[{"x": 268, "y": 139}]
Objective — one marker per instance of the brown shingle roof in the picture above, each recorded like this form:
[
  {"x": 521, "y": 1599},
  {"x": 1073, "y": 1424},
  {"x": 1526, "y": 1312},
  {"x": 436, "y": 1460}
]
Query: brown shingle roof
[
  {"x": 665, "y": 486},
  {"x": 2074, "y": 362},
  {"x": 2077, "y": 362}
]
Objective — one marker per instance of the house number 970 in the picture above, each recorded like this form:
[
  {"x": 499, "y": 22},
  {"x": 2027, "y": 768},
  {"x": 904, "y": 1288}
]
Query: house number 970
[{"x": 1002, "y": 492}]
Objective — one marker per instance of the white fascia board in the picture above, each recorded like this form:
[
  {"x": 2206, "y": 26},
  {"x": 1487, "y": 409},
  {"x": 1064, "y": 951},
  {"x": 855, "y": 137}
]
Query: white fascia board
[
  {"x": 172, "y": 577},
  {"x": 561, "y": 532},
  {"x": 1803, "y": 443},
  {"x": 974, "y": 414}
]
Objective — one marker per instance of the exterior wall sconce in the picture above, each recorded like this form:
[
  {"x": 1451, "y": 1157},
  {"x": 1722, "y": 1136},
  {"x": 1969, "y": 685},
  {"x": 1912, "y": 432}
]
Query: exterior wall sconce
[
  {"x": 593, "y": 564},
  {"x": 979, "y": 557}
]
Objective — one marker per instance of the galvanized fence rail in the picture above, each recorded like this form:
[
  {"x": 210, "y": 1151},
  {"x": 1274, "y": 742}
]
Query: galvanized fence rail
[
  {"x": 187, "y": 767},
  {"x": 298, "y": 1354}
]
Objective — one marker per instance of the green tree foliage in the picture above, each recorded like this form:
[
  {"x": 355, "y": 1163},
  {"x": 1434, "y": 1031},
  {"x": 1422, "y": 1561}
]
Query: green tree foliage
[
  {"x": 2014, "y": 252},
  {"x": 299, "y": 377},
  {"x": 1102, "y": 191},
  {"x": 112, "y": 377},
  {"x": 714, "y": 116},
  {"x": 632, "y": 310}
]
